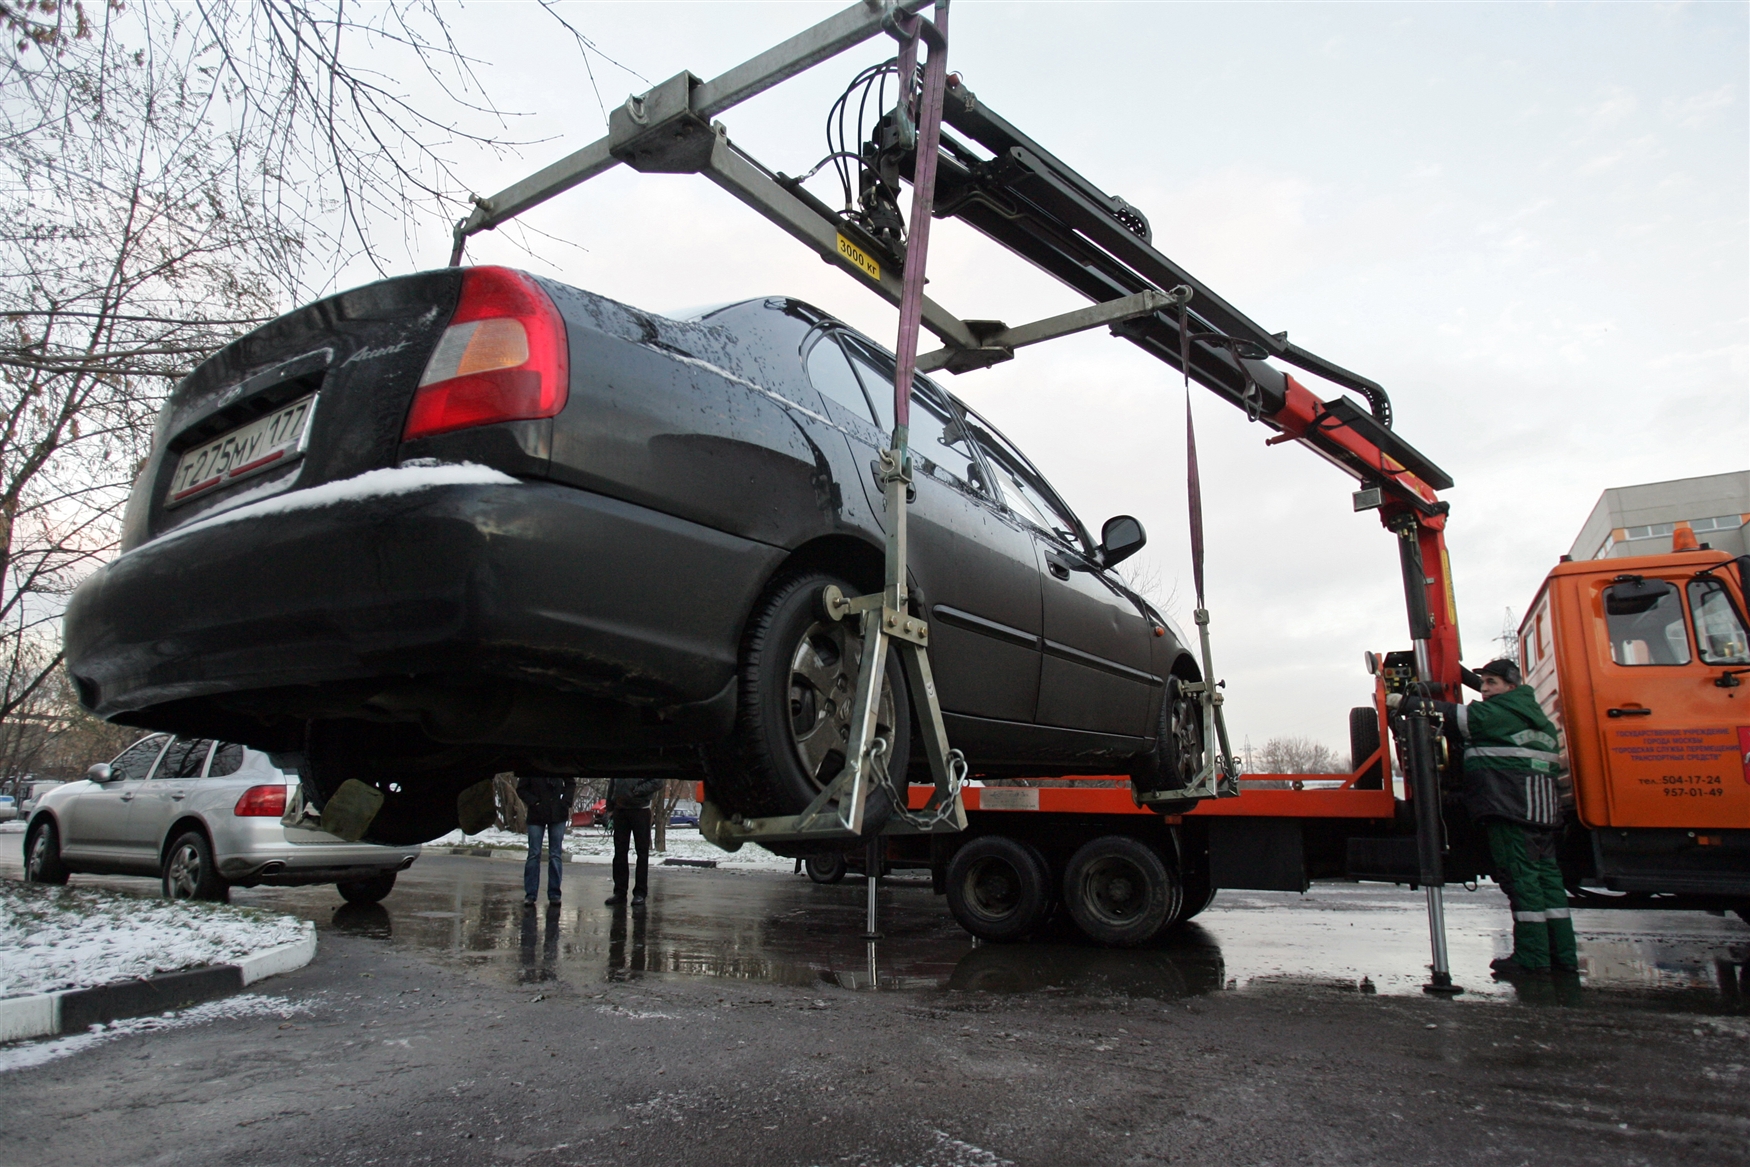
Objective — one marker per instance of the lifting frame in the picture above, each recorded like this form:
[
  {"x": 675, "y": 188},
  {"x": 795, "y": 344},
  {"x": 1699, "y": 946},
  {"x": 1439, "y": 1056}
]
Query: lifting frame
[{"x": 1030, "y": 202}]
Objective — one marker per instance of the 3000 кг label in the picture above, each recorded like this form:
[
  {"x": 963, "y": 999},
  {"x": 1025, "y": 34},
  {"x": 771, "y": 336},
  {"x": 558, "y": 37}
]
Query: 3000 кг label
[{"x": 1691, "y": 785}]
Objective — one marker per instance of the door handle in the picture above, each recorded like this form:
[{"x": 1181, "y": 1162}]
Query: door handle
[
  {"x": 1057, "y": 565},
  {"x": 178, "y": 795},
  {"x": 1635, "y": 711},
  {"x": 128, "y": 797}
]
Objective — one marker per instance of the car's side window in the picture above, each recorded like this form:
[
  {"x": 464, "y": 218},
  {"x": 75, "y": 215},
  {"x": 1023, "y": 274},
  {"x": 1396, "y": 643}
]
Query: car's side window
[
  {"x": 184, "y": 758},
  {"x": 136, "y": 761},
  {"x": 832, "y": 376},
  {"x": 227, "y": 759},
  {"x": 1021, "y": 487},
  {"x": 877, "y": 378},
  {"x": 938, "y": 439}
]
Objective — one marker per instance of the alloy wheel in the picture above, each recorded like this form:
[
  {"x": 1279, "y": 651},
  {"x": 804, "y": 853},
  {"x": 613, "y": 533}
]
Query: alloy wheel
[
  {"x": 823, "y": 685},
  {"x": 183, "y": 878}
]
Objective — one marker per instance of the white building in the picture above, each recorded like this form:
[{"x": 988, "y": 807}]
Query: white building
[{"x": 1642, "y": 520}]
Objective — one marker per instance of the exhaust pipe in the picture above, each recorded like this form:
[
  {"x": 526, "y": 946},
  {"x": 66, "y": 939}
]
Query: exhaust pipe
[{"x": 273, "y": 868}]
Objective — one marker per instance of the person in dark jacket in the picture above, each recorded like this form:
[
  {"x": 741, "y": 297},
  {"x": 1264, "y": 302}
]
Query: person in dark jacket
[
  {"x": 629, "y": 804},
  {"x": 548, "y": 801},
  {"x": 1512, "y": 761}
]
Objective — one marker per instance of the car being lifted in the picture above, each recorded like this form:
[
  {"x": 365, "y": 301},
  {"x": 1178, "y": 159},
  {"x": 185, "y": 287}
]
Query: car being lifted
[{"x": 471, "y": 520}]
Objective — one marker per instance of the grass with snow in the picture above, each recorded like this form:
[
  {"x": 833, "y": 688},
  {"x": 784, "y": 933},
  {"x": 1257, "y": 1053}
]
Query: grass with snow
[{"x": 54, "y": 938}]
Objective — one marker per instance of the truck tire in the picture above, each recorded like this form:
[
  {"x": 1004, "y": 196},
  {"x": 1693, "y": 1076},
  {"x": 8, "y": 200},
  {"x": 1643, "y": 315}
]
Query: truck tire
[
  {"x": 189, "y": 872},
  {"x": 798, "y": 675},
  {"x": 1363, "y": 742},
  {"x": 1198, "y": 894},
  {"x": 999, "y": 889},
  {"x": 828, "y": 868},
  {"x": 42, "y": 854},
  {"x": 367, "y": 891},
  {"x": 1120, "y": 892}
]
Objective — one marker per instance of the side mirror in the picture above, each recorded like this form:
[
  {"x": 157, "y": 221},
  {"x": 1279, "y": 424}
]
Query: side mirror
[
  {"x": 1120, "y": 538},
  {"x": 99, "y": 773}
]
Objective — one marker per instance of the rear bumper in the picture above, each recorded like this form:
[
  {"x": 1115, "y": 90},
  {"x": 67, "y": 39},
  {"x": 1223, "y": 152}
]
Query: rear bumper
[
  {"x": 262, "y": 850},
  {"x": 352, "y": 609}
]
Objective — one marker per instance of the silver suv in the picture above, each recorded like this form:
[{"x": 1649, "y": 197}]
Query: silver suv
[{"x": 204, "y": 816}]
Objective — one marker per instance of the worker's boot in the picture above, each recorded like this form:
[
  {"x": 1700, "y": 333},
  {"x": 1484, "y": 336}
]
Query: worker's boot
[
  {"x": 1530, "y": 945},
  {"x": 1564, "y": 956}
]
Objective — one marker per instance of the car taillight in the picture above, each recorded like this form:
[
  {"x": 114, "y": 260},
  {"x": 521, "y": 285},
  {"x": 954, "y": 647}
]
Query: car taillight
[
  {"x": 503, "y": 358},
  {"x": 262, "y": 802}
]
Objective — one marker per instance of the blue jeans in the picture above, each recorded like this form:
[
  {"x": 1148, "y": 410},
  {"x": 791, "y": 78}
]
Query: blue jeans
[{"x": 554, "y": 833}]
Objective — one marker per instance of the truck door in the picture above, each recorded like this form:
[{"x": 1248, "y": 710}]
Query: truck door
[{"x": 1673, "y": 739}]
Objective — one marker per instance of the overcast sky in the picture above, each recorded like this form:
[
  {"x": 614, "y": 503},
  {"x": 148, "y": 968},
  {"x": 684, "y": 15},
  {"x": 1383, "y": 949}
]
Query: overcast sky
[{"x": 1528, "y": 222}]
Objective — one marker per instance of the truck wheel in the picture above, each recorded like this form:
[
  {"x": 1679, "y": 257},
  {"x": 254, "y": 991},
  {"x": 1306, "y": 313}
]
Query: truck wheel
[
  {"x": 798, "y": 678},
  {"x": 1197, "y": 896},
  {"x": 1120, "y": 892},
  {"x": 1178, "y": 754},
  {"x": 42, "y": 855},
  {"x": 367, "y": 891},
  {"x": 999, "y": 889},
  {"x": 1363, "y": 742},
  {"x": 825, "y": 868},
  {"x": 189, "y": 870}
]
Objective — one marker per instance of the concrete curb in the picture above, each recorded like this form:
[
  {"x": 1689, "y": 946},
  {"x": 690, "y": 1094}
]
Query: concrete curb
[{"x": 73, "y": 1010}]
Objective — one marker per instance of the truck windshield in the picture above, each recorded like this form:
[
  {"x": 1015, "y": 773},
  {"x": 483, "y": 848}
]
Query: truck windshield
[
  {"x": 1718, "y": 631},
  {"x": 1645, "y": 618}
]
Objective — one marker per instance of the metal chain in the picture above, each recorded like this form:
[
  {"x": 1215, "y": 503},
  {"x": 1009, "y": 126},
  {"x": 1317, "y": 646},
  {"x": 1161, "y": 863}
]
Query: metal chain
[{"x": 882, "y": 780}]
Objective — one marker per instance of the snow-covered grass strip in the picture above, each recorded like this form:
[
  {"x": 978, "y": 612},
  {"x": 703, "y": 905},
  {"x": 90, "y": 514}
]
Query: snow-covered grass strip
[
  {"x": 594, "y": 845},
  {"x": 54, "y": 938},
  {"x": 22, "y": 1057}
]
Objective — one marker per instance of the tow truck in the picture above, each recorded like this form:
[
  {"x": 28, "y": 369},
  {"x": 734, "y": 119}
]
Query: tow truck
[{"x": 963, "y": 160}]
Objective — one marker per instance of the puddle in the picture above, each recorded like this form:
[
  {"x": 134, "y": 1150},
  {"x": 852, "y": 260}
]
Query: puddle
[{"x": 775, "y": 928}]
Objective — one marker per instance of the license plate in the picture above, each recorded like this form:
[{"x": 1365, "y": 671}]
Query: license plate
[{"x": 267, "y": 443}]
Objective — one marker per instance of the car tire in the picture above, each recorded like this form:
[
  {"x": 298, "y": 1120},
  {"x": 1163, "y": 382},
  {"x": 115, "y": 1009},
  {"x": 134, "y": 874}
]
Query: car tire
[
  {"x": 1178, "y": 754},
  {"x": 999, "y": 889},
  {"x": 828, "y": 868},
  {"x": 367, "y": 891},
  {"x": 189, "y": 871},
  {"x": 797, "y": 677},
  {"x": 42, "y": 855},
  {"x": 1120, "y": 892}
]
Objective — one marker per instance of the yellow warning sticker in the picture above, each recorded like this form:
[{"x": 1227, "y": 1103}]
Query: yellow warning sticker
[{"x": 860, "y": 259}]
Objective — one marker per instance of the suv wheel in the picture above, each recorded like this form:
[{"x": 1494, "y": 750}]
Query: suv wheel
[
  {"x": 798, "y": 678},
  {"x": 367, "y": 891},
  {"x": 42, "y": 855},
  {"x": 189, "y": 870}
]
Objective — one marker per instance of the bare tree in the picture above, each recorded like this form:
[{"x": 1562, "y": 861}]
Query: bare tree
[
  {"x": 1299, "y": 755},
  {"x": 1143, "y": 576},
  {"x": 169, "y": 177}
]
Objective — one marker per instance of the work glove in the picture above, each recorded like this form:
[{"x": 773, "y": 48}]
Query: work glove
[{"x": 1393, "y": 700}]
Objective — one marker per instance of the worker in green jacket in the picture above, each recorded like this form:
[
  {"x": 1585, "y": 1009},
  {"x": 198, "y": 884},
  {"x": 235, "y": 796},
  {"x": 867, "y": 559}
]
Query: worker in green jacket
[{"x": 1512, "y": 761}]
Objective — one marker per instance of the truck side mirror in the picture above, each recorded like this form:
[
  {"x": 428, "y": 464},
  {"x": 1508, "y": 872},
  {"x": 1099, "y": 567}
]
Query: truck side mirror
[{"x": 1120, "y": 538}]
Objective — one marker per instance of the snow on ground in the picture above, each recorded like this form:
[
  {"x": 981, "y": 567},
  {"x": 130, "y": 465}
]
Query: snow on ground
[
  {"x": 54, "y": 938},
  {"x": 594, "y": 845},
  {"x": 23, "y": 1055}
]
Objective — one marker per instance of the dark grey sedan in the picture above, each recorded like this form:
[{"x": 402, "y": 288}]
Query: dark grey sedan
[{"x": 471, "y": 521}]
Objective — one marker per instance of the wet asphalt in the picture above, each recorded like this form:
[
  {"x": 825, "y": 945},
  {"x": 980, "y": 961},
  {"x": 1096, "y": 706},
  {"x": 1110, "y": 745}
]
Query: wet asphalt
[{"x": 741, "y": 1018}]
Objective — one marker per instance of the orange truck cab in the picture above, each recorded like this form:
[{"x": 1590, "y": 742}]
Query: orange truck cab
[{"x": 1643, "y": 663}]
